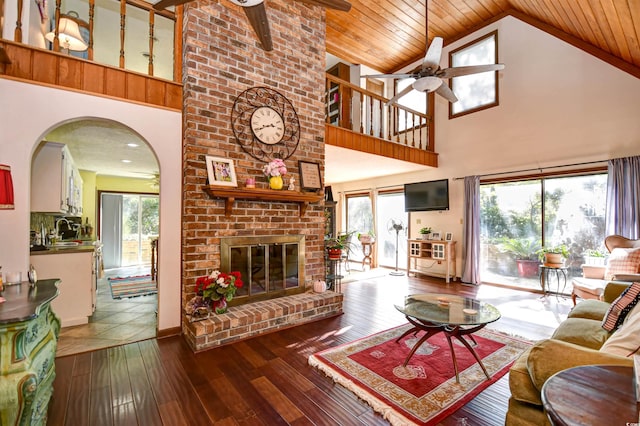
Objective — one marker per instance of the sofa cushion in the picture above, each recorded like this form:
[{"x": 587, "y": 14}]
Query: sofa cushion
[
  {"x": 620, "y": 307},
  {"x": 520, "y": 383},
  {"x": 622, "y": 261},
  {"x": 583, "y": 332},
  {"x": 626, "y": 340},
  {"x": 589, "y": 309},
  {"x": 547, "y": 357}
]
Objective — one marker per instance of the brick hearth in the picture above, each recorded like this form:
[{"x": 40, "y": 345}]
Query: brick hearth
[{"x": 245, "y": 321}]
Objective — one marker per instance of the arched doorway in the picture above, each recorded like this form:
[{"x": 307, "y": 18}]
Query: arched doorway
[{"x": 109, "y": 157}]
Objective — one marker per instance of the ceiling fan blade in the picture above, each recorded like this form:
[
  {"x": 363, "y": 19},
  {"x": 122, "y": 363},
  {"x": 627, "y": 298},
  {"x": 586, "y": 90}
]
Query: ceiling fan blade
[
  {"x": 471, "y": 69},
  {"x": 427, "y": 84},
  {"x": 257, "y": 16},
  {"x": 434, "y": 52},
  {"x": 387, "y": 76},
  {"x": 399, "y": 95},
  {"x": 447, "y": 93},
  {"x": 163, "y": 4},
  {"x": 341, "y": 5}
]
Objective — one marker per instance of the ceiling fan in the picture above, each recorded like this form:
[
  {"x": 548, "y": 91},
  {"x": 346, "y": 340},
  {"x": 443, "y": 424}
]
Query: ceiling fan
[
  {"x": 257, "y": 14},
  {"x": 429, "y": 77}
]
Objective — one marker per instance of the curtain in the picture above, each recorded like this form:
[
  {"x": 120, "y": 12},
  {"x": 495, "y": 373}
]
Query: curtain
[
  {"x": 623, "y": 197},
  {"x": 471, "y": 231}
]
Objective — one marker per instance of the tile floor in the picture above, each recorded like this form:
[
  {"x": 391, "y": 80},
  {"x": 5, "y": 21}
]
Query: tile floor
[{"x": 115, "y": 321}]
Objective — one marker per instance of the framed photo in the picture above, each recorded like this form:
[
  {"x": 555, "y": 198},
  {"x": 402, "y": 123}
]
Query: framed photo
[
  {"x": 435, "y": 236},
  {"x": 310, "y": 176},
  {"x": 448, "y": 236},
  {"x": 221, "y": 171}
]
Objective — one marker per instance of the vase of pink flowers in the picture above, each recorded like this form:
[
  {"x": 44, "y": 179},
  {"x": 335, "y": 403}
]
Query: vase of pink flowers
[{"x": 274, "y": 171}]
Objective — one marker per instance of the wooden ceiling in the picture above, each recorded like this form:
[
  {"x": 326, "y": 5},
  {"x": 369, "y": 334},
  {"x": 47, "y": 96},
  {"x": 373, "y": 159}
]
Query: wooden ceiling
[{"x": 387, "y": 35}]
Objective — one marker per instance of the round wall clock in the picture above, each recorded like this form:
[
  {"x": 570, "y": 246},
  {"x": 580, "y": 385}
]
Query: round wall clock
[{"x": 265, "y": 124}]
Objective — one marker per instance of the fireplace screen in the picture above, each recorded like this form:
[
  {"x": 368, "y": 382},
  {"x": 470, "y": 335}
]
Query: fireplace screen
[{"x": 271, "y": 266}]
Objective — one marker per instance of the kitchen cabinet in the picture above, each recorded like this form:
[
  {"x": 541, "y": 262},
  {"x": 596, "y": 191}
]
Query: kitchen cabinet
[
  {"x": 28, "y": 341},
  {"x": 56, "y": 185},
  {"x": 75, "y": 268}
]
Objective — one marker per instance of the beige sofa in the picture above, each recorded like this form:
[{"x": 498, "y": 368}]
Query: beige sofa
[{"x": 579, "y": 340}]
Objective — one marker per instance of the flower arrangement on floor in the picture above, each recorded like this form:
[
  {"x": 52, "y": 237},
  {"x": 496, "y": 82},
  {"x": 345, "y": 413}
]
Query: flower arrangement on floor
[
  {"x": 274, "y": 170},
  {"x": 213, "y": 291}
]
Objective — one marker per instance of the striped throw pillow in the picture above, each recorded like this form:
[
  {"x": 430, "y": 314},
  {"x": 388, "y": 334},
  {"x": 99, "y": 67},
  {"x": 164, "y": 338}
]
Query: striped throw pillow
[{"x": 620, "y": 307}]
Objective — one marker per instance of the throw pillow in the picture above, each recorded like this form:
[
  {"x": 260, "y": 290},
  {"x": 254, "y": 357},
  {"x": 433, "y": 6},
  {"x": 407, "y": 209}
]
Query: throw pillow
[
  {"x": 626, "y": 341},
  {"x": 622, "y": 261},
  {"x": 620, "y": 307}
]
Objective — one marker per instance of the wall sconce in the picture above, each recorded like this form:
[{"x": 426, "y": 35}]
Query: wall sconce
[
  {"x": 6, "y": 188},
  {"x": 69, "y": 35}
]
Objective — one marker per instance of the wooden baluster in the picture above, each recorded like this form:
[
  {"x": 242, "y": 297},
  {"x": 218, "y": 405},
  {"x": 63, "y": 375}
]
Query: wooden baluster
[
  {"x": 389, "y": 122},
  {"x": 406, "y": 128},
  {"x": 413, "y": 124},
  {"x": 92, "y": 7},
  {"x": 151, "y": 29},
  {"x": 17, "y": 36},
  {"x": 56, "y": 31},
  {"x": 363, "y": 113},
  {"x": 123, "y": 14},
  {"x": 381, "y": 129},
  {"x": 370, "y": 124}
]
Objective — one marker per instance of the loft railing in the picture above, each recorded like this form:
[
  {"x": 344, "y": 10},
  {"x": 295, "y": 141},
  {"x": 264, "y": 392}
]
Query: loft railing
[
  {"x": 129, "y": 27},
  {"x": 361, "y": 111}
]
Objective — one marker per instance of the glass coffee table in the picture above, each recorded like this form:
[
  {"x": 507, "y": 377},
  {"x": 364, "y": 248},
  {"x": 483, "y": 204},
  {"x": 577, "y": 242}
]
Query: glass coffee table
[{"x": 455, "y": 316}]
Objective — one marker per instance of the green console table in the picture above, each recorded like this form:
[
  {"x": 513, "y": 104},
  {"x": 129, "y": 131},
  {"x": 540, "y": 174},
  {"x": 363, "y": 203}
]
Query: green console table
[{"x": 28, "y": 338}]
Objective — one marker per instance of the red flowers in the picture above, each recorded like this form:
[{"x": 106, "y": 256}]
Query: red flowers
[{"x": 218, "y": 285}]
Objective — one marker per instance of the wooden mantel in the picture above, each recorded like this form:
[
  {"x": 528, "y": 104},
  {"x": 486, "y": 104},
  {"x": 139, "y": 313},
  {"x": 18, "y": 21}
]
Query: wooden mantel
[{"x": 230, "y": 195}]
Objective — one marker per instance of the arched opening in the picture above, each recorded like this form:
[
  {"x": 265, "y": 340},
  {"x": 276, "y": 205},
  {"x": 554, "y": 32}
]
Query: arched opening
[{"x": 78, "y": 165}]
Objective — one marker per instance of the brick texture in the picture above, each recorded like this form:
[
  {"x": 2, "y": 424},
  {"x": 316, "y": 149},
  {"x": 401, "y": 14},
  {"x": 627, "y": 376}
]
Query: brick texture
[{"x": 223, "y": 58}]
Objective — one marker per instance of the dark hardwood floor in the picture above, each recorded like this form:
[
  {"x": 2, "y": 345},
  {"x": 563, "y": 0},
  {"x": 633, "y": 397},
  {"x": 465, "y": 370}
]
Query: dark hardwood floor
[{"x": 266, "y": 380}]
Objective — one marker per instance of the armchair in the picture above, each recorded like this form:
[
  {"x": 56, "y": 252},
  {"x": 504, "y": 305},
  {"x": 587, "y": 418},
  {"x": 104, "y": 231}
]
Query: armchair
[{"x": 623, "y": 266}]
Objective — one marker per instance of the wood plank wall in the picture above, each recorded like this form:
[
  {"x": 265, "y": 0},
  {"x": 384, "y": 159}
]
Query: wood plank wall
[{"x": 36, "y": 65}]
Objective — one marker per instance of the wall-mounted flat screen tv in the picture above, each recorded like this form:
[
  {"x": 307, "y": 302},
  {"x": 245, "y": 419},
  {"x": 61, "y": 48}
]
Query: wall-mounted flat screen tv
[{"x": 426, "y": 196}]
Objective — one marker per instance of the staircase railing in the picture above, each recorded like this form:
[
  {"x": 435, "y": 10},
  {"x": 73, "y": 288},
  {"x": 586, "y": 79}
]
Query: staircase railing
[{"x": 361, "y": 111}]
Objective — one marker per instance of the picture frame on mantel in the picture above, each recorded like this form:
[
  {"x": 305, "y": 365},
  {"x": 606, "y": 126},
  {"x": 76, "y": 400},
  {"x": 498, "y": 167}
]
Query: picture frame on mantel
[
  {"x": 310, "y": 179},
  {"x": 221, "y": 171}
]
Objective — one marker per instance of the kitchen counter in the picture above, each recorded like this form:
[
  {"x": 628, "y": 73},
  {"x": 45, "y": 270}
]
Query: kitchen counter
[{"x": 82, "y": 248}]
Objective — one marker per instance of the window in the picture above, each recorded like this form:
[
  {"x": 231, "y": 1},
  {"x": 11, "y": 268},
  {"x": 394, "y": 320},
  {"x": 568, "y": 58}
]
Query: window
[
  {"x": 519, "y": 217},
  {"x": 476, "y": 91},
  {"x": 359, "y": 220},
  {"x": 415, "y": 100}
]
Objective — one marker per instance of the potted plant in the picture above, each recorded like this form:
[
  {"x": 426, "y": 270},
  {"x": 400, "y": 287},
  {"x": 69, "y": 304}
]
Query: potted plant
[
  {"x": 595, "y": 257},
  {"x": 524, "y": 250},
  {"x": 424, "y": 232},
  {"x": 553, "y": 255},
  {"x": 335, "y": 245},
  {"x": 368, "y": 238}
]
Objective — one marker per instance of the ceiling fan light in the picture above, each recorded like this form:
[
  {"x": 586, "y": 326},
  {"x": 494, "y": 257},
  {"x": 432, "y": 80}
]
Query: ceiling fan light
[
  {"x": 246, "y": 3},
  {"x": 427, "y": 84}
]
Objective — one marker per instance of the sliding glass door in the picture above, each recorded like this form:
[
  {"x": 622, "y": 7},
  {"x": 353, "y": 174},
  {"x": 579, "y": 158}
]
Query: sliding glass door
[{"x": 129, "y": 222}]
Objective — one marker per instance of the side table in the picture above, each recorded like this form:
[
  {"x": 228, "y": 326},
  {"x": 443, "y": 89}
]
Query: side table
[
  {"x": 561, "y": 273},
  {"x": 367, "y": 251},
  {"x": 590, "y": 395}
]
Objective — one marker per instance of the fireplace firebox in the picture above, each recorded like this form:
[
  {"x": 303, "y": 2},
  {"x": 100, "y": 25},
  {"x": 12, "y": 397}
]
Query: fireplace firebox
[{"x": 271, "y": 266}]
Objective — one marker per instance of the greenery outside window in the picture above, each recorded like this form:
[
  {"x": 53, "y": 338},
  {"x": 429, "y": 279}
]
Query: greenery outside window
[
  {"x": 519, "y": 217},
  {"x": 475, "y": 92}
]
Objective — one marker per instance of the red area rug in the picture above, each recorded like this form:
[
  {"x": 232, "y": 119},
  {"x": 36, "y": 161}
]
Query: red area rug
[{"x": 425, "y": 392}]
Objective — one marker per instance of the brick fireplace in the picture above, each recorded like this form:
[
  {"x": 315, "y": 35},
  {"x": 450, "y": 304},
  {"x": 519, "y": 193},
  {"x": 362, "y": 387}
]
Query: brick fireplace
[{"x": 222, "y": 59}]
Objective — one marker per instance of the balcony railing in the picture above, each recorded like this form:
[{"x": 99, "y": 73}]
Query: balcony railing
[
  {"x": 128, "y": 34},
  {"x": 361, "y": 111}
]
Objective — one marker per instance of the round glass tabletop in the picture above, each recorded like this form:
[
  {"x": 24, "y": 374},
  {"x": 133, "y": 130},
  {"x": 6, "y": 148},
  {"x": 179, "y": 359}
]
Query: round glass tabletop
[{"x": 448, "y": 309}]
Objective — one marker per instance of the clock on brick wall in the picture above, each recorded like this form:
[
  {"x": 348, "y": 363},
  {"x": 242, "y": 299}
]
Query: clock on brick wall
[{"x": 265, "y": 124}]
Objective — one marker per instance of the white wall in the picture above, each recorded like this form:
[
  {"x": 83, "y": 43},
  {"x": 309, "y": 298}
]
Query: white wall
[
  {"x": 558, "y": 106},
  {"x": 28, "y": 112}
]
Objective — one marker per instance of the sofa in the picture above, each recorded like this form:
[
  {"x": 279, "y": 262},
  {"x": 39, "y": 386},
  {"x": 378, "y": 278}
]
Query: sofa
[
  {"x": 619, "y": 268},
  {"x": 581, "y": 339}
]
